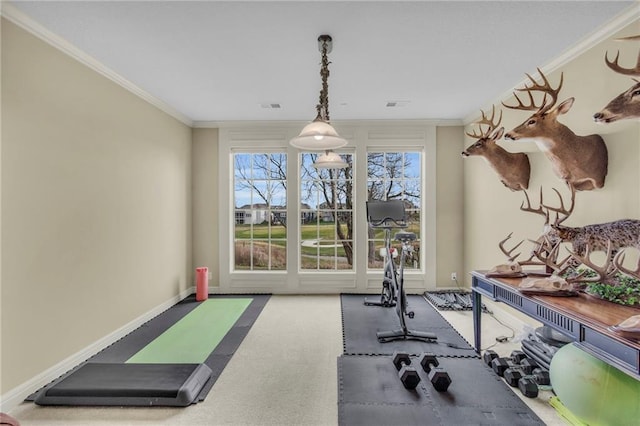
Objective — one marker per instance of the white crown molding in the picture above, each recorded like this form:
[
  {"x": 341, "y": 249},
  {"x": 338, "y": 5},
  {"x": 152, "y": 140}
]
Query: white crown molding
[
  {"x": 14, "y": 15},
  {"x": 600, "y": 34},
  {"x": 15, "y": 396}
]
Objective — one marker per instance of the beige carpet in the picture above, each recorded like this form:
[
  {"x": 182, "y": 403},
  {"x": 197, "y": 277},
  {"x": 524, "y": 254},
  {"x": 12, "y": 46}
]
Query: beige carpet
[{"x": 284, "y": 373}]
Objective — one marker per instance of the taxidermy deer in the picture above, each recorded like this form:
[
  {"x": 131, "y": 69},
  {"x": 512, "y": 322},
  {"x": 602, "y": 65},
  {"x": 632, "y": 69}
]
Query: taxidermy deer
[
  {"x": 581, "y": 161},
  {"x": 512, "y": 168},
  {"x": 621, "y": 233},
  {"x": 611, "y": 237},
  {"x": 627, "y": 103}
]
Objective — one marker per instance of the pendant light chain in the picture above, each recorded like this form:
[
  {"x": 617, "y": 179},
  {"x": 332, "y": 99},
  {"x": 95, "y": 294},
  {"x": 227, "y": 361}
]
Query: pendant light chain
[{"x": 323, "y": 105}]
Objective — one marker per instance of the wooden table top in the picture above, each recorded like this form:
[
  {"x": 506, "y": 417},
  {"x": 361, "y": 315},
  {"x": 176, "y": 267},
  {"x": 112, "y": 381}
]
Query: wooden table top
[{"x": 591, "y": 311}]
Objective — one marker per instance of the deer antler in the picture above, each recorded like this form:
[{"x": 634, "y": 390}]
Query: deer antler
[
  {"x": 536, "y": 87},
  {"x": 618, "y": 259},
  {"x": 562, "y": 213},
  {"x": 539, "y": 210},
  {"x": 548, "y": 255},
  {"x": 604, "y": 274},
  {"x": 487, "y": 121},
  {"x": 617, "y": 68},
  {"x": 508, "y": 252}
]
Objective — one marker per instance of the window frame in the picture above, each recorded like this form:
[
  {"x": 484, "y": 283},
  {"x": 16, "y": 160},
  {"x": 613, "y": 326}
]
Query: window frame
[{"x": 362, "y": 136}]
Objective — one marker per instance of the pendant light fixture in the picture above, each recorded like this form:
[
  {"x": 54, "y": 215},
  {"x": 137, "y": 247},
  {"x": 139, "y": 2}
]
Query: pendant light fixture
[
  {"x": 330, "y": 160},
  {"x": 319, "y": 135}
]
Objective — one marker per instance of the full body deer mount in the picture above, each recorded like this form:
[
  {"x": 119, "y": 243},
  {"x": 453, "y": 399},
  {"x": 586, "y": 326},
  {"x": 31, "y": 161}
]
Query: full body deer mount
[
  {"x": 580, "y": 161},
  {"x": 611, "y": 237},
  {"x": 512, "y": 168},
  {"x": 627, "y": 103}
]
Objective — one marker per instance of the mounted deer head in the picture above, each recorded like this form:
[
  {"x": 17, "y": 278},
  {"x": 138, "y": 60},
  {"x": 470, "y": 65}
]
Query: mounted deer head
[
  {"x": 512, "y": 168},
  {"x": 580, "y": 161},
  {"x": 627, "y": 103}
]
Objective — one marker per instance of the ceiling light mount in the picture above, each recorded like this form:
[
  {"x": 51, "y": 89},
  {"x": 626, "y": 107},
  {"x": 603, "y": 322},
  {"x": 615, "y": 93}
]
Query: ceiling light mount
[{"x": 319, "y": 135}]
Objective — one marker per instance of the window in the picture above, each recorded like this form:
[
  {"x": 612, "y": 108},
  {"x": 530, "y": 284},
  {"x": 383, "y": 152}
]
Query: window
[
  {"x": 260, "y": 234},
  {"x": 395, "y": 176},
  {"x": 326, "y": 216},
  {"x": 285, "y": 227}
]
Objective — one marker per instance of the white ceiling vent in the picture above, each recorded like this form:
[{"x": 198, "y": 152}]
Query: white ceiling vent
[{"x": 270, "y": 106}]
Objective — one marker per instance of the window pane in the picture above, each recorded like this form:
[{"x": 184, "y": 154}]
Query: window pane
[
  {"x": 395, "y": 176},
  {"x": 325, "y": 222},
  {"x": 260, "y": 211}
]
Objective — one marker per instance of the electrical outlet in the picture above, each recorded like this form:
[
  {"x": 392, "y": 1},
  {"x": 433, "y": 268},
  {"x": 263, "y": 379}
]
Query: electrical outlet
[
  {"x": 454, "y": 276},
  {"x": 210, "y": 276}
]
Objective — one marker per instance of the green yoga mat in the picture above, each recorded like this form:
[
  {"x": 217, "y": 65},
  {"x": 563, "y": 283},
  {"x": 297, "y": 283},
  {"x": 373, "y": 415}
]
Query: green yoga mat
[{"x": 194, "y": 337}]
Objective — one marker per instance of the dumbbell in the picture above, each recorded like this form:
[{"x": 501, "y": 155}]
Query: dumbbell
[
  {"x": 489, "y": 356},
  {"x": 517, "y": 356},
  {"x": 530, "y": 384},
  {"x": 501, "y": 364},
  {"x": 528, "y": 365},
  {"x": 438, "y": 377},
  {"x": 408, "y": 375}
]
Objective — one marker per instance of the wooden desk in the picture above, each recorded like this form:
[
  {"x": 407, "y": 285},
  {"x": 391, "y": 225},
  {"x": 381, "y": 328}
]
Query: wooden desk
[{"x": 584, "y": 317}]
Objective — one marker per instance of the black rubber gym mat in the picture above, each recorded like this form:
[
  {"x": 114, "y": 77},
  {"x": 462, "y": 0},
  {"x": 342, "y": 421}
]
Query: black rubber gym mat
[
  {"x": 116, "y": 384},
  {"x": 126, "y": 347},
  {"x": 360, "y": 323},
  {"x": 371, "y": 393}
]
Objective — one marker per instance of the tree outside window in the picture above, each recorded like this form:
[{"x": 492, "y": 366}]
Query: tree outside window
[
  {"x": 395, "y": 176},
  {"x": 326, "y": 220},
  {"x": 260, "y": 203}
]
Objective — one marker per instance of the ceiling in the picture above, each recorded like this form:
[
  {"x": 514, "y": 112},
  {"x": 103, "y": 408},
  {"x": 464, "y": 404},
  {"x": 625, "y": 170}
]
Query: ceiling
[{"x": 224, "y": 61}]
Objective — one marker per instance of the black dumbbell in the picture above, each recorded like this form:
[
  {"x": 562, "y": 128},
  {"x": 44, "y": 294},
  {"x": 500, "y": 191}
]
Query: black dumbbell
[
  {"x": 529, "y": 385},
  {"x": 528, "y": 365},
  {"x": 517, "y": 356},
  {"x": 408, "y": 375},
  {"x": 512, "y": 375},
  {"x": 489, "y": 356},
  {"x": 541, "y": 376},
  {"x": 438, "y": 377},
  {"x": 500, "y": 365}
]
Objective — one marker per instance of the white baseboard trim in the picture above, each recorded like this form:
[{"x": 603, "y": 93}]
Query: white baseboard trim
[{"x": 15, "y": 396}]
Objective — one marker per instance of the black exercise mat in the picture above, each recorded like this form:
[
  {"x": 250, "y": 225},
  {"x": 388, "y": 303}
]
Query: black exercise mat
[
  {"x": 117, "y": 384},
  {"x": 123, "y": 349},
  {"x": 360, "y": 323},
  {"x": 371, "y": 393}
]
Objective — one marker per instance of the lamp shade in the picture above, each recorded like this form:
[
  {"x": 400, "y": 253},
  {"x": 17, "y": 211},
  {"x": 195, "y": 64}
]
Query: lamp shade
[
  {"x": 330, "y": 160},
  {"x": 318, "y": 136}
]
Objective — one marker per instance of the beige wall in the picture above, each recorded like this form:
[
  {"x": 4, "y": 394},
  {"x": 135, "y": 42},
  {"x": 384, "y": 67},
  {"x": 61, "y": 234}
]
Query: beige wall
[
  {"x": 492, "y": 211},
  {"x": 450, "y": 206},
  {"x": 205, "y": 201},
  {"x": 96, "y": 206}
]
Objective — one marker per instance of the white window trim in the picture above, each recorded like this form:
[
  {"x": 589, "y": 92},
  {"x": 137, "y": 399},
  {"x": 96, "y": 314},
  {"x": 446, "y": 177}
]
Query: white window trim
[{"x": 362, "y": 137}]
